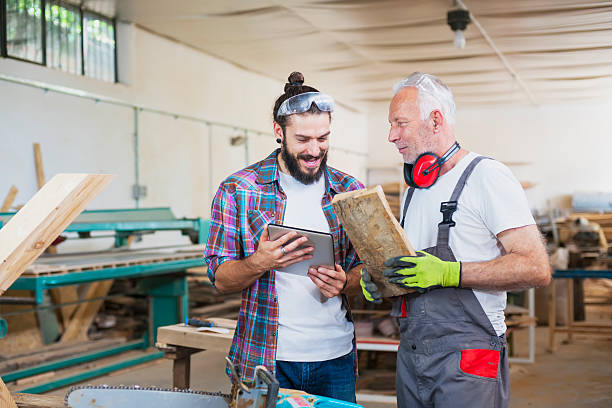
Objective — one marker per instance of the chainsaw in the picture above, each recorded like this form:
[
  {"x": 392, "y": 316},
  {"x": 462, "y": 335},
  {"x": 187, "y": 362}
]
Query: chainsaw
[{"x": 264, "y": 392}]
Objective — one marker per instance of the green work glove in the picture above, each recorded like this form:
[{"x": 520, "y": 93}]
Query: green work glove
[
  {"x": 422, "y": 272},
  {"x": 369, "y": 288}
]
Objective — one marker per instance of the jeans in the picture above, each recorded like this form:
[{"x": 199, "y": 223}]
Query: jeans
[{"x": 331, "y": 378}]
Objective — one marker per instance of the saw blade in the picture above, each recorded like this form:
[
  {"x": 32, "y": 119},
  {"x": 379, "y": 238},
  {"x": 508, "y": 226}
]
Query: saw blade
[{"x": 99, "y": 396}]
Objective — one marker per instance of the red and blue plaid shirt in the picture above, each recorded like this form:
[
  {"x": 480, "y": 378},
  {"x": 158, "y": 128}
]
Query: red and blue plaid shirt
[{"x": 245, "y": 202}]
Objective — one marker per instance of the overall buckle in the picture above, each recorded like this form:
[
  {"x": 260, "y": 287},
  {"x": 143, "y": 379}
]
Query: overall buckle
[{"x": 447, "y": 209}]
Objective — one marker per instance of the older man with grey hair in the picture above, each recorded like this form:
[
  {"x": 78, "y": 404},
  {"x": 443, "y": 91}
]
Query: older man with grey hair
[{"x": 470, "y": 218}]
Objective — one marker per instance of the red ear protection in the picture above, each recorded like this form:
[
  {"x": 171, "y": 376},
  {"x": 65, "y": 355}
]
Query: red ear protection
[
  {"x": 426, "y": 168},
  {"x": 421, "y": 177}
]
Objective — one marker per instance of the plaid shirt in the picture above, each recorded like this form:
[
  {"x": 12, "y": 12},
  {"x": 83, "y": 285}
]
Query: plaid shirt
[{"x": 244, "y": 204}]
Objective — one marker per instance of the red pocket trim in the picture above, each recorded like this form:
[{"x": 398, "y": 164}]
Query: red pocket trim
[{"x": 480, "y": 362}]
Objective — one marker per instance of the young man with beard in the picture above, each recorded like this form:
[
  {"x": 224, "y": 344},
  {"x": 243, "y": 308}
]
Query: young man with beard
[{"x": 299, "y": 327}]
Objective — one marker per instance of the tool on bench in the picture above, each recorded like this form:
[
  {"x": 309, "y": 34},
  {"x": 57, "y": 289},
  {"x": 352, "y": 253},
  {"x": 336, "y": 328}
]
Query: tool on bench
[
  {"x": 263, "y": 393},
  {"x": 208, "y": 323}
]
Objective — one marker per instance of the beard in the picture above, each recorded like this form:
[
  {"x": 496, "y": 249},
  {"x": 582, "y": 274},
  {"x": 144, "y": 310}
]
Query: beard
[
  {"x": 293, "y": 165},
  {"x": 429, "y": 145}
]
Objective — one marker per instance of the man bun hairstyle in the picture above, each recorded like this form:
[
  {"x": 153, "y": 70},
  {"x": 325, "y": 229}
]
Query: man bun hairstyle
[
  {"x": 296, "y": 80},
  {"x": 294, "y": 86}
]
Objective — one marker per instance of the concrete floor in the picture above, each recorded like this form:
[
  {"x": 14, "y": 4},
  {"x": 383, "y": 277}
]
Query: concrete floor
[{"x": 577, "y": 375}]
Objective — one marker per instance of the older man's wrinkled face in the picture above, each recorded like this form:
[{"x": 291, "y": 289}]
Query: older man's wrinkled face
[{"x": 411, "y": 135}]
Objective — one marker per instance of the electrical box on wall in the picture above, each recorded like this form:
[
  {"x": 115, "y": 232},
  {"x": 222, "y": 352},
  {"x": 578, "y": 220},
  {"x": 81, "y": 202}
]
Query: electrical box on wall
[{"x": 139, "y": 191}]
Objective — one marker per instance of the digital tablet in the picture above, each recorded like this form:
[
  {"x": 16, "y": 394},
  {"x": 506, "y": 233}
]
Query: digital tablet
[{"x": 323, "y": 243}]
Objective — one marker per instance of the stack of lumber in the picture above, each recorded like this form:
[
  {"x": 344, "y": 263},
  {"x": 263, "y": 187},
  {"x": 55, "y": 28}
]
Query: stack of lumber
[
  {"x": 604, "y": 220},
  {"x": 205, "y": 301}
]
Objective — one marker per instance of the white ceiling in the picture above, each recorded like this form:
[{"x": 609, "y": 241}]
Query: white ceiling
[{"x": 356, "y": 49}]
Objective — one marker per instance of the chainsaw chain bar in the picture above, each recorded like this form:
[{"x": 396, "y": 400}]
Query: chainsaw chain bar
[{"x": 139, "y": 388}]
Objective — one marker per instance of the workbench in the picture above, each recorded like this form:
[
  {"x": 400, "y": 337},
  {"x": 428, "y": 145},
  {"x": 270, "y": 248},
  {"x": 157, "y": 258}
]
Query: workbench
[
  {"x": 572, "y": 326},
  {"x": 180, "y": 342}
]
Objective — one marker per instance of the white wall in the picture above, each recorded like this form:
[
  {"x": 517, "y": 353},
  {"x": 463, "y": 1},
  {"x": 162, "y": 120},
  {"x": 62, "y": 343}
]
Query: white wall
[
  {"x": 568, "y": 146},
  {"x": 79, "y": 135}
]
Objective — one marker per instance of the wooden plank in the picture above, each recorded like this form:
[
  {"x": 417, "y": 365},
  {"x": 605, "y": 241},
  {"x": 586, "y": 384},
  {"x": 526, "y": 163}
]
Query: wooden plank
[
  {"x": 35, "y": 227},
  {"x": 66, "y": 294},
  {"x": 187, "y": 336},
  {"x": 40, "y": 172},
  {"x": 55, "y": 351},
  {"x": 374, "y": 232},
  {"x": 42, "y": 219},
  {"x": 38, "y": 401},
  {"x": 215, "y": 309},
  {"x": 9, "y": 200},
  {"x": 70, "y": 263},
  {"x": 6, "y": 400},
  {"x": 86, "y": 312}
]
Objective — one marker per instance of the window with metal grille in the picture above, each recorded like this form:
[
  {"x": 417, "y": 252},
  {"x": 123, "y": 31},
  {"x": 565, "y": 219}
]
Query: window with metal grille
[
  {"x": 24, "y": 28},
  {"x": 63, "y": 25},
  {"x": 99, "y": 47},
  {"x": 59, "y": 35}
]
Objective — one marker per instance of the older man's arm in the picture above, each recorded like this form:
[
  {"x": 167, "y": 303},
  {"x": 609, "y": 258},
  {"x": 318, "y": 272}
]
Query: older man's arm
[{"x": 524, "y": 265}]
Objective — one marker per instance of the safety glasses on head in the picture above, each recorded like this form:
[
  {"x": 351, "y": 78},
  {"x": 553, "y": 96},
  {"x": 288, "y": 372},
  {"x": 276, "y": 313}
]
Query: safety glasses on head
[{"x": 301, "y": 103}]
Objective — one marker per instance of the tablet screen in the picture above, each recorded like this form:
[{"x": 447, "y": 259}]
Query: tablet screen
[{"x": 323, "y": 242}]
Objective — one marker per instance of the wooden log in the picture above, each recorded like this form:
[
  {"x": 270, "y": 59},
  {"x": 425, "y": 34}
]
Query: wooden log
[
  {"x": 9, "y": 199},
  {"x": 374, "y": 232},
  {"x": 42, "y": 219}
]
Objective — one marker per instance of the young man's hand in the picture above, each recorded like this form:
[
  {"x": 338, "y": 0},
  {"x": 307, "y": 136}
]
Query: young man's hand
[
  {"x": 281, "y": 252},
  {"x": 329, "y": 281}
]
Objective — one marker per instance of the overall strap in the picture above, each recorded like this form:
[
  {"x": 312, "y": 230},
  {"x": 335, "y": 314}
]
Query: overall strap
[
  {"x": 447, "y": 208},
  {"x": 406, "y": 204}
]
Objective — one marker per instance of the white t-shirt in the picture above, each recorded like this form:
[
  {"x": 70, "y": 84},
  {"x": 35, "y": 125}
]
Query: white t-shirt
[
  {"x": 491, "y": 202},
  {"x": 310, "y": 326}
]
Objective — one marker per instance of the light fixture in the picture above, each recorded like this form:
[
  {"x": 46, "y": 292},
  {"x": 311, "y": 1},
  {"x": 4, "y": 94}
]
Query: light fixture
[
  {"x": 237, "y": 140},
  {"x": 458, "y": 19}
]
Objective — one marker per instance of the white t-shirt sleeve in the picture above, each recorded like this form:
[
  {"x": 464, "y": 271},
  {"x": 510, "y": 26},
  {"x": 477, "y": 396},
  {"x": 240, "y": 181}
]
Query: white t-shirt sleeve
[{"x": 503, "y": 203}]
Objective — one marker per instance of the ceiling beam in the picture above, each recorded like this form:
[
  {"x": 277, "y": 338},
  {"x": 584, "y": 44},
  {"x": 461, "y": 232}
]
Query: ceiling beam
[{"x": 501, "y": 56}]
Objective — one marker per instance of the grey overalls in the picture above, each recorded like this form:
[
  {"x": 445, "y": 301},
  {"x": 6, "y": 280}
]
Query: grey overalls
[{"x": 450, "y": 355}]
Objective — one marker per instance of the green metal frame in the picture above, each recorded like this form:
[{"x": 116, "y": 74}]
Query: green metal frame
[
  {"x": 62, "y": 382},
  {"x": 163, "y": 283},
  {"x": 126, "y": 222},
  {"x": 39, "y": 284},
  {"x": 67, "y": 362}
]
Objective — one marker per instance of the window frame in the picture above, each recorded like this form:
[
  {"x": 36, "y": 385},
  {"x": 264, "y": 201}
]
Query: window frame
[
  {"x": 113, "y": 21},
  {"x": 43, "y": 36},
  {"x": 81, "y": 11},
  {"x": 3, "y": 28}
]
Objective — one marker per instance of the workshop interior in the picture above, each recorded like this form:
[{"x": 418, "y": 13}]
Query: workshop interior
[{"x": 145, "y": 150}]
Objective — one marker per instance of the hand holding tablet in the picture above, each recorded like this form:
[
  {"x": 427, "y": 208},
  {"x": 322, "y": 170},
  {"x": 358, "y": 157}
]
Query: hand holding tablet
[{"x": 323, "y": 243}]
